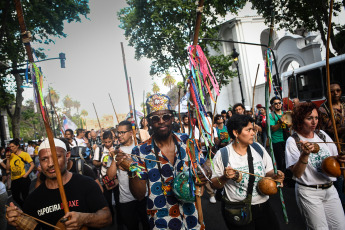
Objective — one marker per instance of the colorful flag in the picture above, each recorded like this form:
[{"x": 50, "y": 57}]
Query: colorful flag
[{"x": 68, "y": 124}]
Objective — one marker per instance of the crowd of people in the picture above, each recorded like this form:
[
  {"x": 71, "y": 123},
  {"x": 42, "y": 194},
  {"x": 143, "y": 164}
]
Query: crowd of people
[{"x": 143, "y": 176}]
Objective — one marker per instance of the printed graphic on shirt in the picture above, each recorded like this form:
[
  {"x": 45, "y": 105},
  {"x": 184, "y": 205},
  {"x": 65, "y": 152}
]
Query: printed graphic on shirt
[
  {"x": 259, "y": 169},
  {"x": 316, "y": 159},
  {"x": 56, "y": 207}
]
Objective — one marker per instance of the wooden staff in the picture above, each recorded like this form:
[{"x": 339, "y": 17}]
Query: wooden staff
[
  {"x": 144, "y": 110},
  {"x": 329, "y": 89},
  {"x": 256, "y": 175},
  {"x": 43, "y": 222},
  {"x": 135, "y": 112},
  {"x": 179, "y": 109},
  {"x": 198, "y": 189},
  {"x": 129, "y": 94},
  {"x": 50, "y": 136},
  {"x": 99, "y": 123},
  {"x": 117, "y": 118},
  {"x": 256, "y": 77},
  {"x": 62, "y": 130}
]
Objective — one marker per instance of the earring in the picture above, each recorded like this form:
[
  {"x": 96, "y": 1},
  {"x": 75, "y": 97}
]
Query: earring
[{"x": 237, "y": 140}]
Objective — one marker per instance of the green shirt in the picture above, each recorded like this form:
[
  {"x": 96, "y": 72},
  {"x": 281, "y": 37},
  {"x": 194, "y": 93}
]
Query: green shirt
[
  {"x": 277, "y": 136},
  {"x": 224, "y": 132}
]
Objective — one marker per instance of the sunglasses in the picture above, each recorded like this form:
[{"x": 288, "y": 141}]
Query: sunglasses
[
  {"x": 157, "y": 118},
  {"x": 277, "y": 103},
  {"x": 122, "y": 132}
]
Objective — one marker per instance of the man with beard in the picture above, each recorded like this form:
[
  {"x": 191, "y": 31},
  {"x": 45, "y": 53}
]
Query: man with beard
[
  {"x": 131, "y": 210},
  {"x": 163, "y": 208},
  {"x": 86, "y": 202}
]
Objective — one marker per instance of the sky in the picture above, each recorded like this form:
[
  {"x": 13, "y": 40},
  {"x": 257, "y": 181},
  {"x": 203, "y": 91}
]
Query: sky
[{"x": 94, "y": 65}]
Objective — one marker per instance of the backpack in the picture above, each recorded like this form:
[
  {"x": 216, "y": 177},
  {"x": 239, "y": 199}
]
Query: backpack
[{"x": 225, "y": 160}]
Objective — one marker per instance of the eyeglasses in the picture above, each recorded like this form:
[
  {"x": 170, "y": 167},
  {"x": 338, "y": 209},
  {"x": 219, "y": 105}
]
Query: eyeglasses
[
  {"x": 277, "y": 103},
  {"x": 157, "y": 118},
  {"x": 119, "y": 133}
]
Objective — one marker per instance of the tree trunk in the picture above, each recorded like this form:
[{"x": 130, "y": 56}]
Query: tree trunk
[{"x": 16, "y": 116}]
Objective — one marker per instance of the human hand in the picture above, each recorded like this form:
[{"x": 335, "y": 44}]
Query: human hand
[
  {"x": 202, "y": 179},
  {"x": 120, "y": 158},
  {"x": 280, "y": 176},
  {"x": 12, "y": 213},
  {"x": 75, "y": 220},
  {"x": 307, "y": 147},
  {"x": 229, "y": 172},
  {"x": 94, "y": 146},
  {"x": 341, "y": 158}
]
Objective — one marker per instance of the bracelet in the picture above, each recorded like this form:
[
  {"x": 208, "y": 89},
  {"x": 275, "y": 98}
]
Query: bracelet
[{"x": 302, "y": 161}]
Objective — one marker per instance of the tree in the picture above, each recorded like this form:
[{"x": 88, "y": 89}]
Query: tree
[
  {"x": 76, "y": 105},
  {"x": 308, "y": 15},
  {"x": 68, "y": 104},
  {"x": 84, "y": 113},
  {"x": 168, "y": 80},
  {"x": 44, "y": 19},
  {"x": 155, "y": 88},
  {"x": 30, "y": 125},
  {"x": 54, "y": 96},
  {"x": 162, "y": 30}
]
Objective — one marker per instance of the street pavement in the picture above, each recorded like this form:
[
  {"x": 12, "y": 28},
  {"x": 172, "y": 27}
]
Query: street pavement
[{"x": 214, "y": 221}]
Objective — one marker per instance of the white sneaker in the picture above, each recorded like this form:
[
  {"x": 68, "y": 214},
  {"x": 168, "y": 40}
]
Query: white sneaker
[{"x": 213, "y": 200}]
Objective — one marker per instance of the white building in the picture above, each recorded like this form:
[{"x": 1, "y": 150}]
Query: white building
[{"x": 291, "y": 51}]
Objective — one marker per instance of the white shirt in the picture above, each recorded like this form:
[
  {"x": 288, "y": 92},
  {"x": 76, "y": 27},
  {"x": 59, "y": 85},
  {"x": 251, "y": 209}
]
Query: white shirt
[
  {"x": 104, "y": 158},
  {"x": 238, "y": 191},
  {"x": 313, "y": 174},
  {"x": 80, "y": 142},
  {"x": 196, "y": 132},
  {"x": 31, "y": 150}
]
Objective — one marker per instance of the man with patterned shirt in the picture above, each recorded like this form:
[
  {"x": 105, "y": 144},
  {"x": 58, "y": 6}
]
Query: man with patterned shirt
[{"x": 164, "y": 210}]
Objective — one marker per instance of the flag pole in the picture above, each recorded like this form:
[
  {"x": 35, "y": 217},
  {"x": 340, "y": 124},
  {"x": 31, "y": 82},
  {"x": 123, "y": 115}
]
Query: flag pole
[{"x": 99, "y": 123}]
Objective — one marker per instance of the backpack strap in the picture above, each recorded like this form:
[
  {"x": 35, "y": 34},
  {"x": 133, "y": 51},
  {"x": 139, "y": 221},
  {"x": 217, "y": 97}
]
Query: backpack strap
[
  {"x": 225, "y": 156},
  {"x": 321, "y": 135},
  {"x": 258, "y": 149},
  {"x": 79, "y": 165}
]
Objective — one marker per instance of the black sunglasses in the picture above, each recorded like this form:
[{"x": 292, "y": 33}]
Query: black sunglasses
[
  {"x": 157, "y": 118},
  {"x": 277, "y": 103},
  {"x": 122, "y": 132}
]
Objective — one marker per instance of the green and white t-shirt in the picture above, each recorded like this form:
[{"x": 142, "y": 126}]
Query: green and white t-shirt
[
  {"x": 238, "y": 191},
  {"x": 312, "y": 174}
]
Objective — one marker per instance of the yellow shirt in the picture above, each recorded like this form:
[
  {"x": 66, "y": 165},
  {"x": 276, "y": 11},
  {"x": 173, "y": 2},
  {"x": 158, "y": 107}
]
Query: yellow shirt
[
  {"x": 17, "y": 165},
  {"x": 36, "y": 150}
]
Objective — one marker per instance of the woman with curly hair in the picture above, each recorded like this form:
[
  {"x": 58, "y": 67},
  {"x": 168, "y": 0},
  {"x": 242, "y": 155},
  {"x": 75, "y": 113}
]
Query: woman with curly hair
[{"x": 316, "y": 196}]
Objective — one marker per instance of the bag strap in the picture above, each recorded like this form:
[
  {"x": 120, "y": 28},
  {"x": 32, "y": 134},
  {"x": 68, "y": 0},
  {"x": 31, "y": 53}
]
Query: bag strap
[
  {"x": 225, "y": 156},
  {"x": 251, "y": 177},
  {"x": 258, "y": 149},
  {"x": 79, "y": 164}
]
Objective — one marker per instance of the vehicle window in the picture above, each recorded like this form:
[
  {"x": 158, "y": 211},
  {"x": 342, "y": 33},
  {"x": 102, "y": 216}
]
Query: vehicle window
[
  {"x": 309, "y": 85},
  {"x": 292, "y": 92}
]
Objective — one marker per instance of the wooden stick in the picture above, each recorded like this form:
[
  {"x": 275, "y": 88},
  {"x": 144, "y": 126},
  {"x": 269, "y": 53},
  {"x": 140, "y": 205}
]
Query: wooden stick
[
  {"x": 143, "y": 158},
  {"x": 43, "y": 222},
  {"x": 99, "y": 123},
  {"x": 340, "y": 143},
  {"x": 117, "y": 117},
  {"x": 256, "y": 77},
  {"x": 214, "y": 111},
  {"x": 256, "y": 175},
  {"x": 179, "y": 105}
]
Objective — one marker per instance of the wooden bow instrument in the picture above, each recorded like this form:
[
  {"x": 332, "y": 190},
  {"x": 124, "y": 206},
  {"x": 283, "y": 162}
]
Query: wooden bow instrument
[
  {"x": 330, "y": 161},
  {"x": 26, "y": 39}
]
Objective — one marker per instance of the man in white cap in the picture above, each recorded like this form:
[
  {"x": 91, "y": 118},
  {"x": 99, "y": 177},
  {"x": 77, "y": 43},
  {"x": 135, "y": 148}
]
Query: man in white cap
[{"x": 85, "y": 200}]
